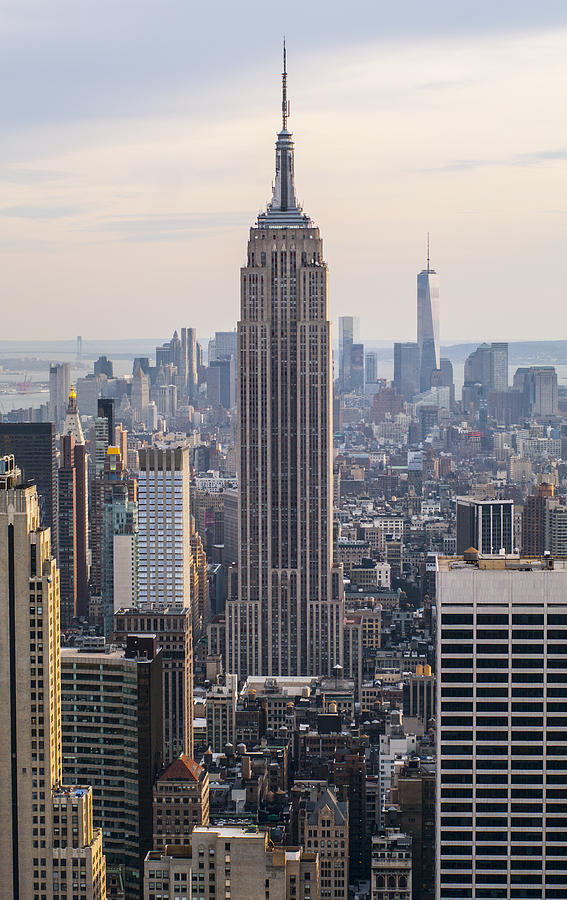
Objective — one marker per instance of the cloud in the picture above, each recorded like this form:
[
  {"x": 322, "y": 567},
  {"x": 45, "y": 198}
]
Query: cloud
[
  {"x": 39, "y": 212},
  {"x": 535, "y": 158},
  {"x": 164, "y": 227},
  {"x": 542, "y": 156},
  {"x": 16, "y": 175},
  {"x": 367, "y": 124}
]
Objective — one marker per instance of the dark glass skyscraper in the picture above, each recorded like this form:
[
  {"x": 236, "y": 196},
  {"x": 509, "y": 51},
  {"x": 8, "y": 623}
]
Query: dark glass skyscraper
[
  {"x": 33, "y": 446},
  {"x": 406, "y": 369}
]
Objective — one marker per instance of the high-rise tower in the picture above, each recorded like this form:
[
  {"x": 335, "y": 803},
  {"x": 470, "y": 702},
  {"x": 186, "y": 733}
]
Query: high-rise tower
[
  {"x": 164, "y": 525},
  {"x": 47, "y": 831},
  {"x": 428, "y": 323},
  {"x": 285, "y": 607},
  {"x": 73, "y": 516},
  {"x": 348, "y": 338},
  {"x": 59, "y": 387},
  {"x": 33, "y": 445},
  {"x": 501, "y": 754}
]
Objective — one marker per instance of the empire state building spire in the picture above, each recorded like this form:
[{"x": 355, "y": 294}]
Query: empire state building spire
[
  {"x": 285, "y": 101},
  {"x": 284, "y": 211},
  {"x": 285, "y": 606}
]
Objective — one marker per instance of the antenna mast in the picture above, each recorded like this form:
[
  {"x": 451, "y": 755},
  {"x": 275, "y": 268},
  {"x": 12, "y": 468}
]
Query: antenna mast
[
  {"x": 428, "y": 251},
  {"x": 285, "y": 101}
]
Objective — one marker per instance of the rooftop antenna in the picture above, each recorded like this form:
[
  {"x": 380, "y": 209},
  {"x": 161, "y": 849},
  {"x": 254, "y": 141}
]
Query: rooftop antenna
[
  {"x": 428, "y": 251},
  {"x": 285, "y": 101}
]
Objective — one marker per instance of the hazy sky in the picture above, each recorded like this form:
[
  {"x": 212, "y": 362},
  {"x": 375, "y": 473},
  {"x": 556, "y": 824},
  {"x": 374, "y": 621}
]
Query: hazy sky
[{"x": 137, "y": 146}]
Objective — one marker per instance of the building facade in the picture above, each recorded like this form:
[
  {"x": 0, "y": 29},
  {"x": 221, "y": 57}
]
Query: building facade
[
  {"x": 391, "y": 866},
  {"x": 74, "y": 459},
  {"x": 34, "y": 447},
  {"x": 112, "y": 726},
  {"x": 348, "y": 336},
  {"x": 48, "y": 846},
  {"x": 59, "y": 388},
  {"x": 428, "y": 324},
  {"x": 180, "y": 802},
  {"x": 119, "y": 539},
  {"x": 321, "y": 822},
  {"x": 285, "y": 606},
  {"x": 164, "y": 526},
  {"x": 501, "y": 753},
  {"x": 171, "y": 624},
  {"x": 221, "y": 713},
  {"x": 234, "y": 862},
  {"x": 406, "y": 369},
  {"x": 485, "y": 525}
]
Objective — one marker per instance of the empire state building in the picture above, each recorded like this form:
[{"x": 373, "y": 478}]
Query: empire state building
[{"x": 285, "y": 611}]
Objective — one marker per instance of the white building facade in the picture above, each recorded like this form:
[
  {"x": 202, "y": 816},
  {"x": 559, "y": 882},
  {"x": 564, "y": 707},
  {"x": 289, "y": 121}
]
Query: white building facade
[
  {"x": 502, "y": 756},
  {"x": 164, "y": 525}
]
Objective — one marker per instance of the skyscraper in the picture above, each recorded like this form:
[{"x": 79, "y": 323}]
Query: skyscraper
[
  {"x": 199, "y": 585},
  {"x": 59, "y": 387},
  {"x": 119, "y": 539},
  {"x": 427, "y": 323},
  {"x": 406, "y": 369},
  {"x": 501, "y": 753},
  {"x": 486, "y": 525},
  {"x": 535, "y": 520},
  {"x": 73, "y": 516},
  {"x": 348, "y": 335},
  {"x": 488, "y": 367},
  {"x": 220, "y": 382},
  {"x": 222, "y": 346},
  {"x": 164, "y": 525},
  {"x": 285, "y": 610},
  {"x": 68, "y": 529},
  {"x": 72, "y": 424},
  {"x": 104, "y": 435},
  {"x": 33, "y": 445},
  {"x": 370, "y": 369},
  {"x": 171, "y": 626},
  {"x": 140, "y": 396},
  {"x": 356, "y": 382},
  {"x": 181, "y": 354},
  {"x": 122, "y": 690},
  {"x": 544, "y": 396},
  {"x": 189, "y": 341},
  {"x": 47, "y": 834},
  {"x": 500, "y": 366},
  {"x": 103, "y": 366}
]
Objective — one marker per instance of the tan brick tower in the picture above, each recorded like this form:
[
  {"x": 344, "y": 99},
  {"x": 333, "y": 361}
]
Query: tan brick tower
[{"x": 285, "y": 608}]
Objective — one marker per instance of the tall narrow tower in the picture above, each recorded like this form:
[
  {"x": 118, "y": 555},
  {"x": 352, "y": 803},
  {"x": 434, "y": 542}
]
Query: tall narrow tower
[
  {"x": 47, "y": 827},
  {"x": 428, "y": 323},
  {"x": 285, "y": 608},
  {"x": 73, "y": 516}
]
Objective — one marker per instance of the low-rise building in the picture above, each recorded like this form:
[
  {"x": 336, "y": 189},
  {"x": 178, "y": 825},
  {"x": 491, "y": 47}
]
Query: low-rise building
[
  {"x": 391, "y": 866},
  {"x": 180, "y": 802},
  {"x": 235, "y": 863},
  {"x": 221, "y": 713},
  {"x": 321, "y": 822}
]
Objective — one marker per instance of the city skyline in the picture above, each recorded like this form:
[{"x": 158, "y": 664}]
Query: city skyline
[
  {"x": 130, "y": 193},
  {"x": 274, "y": 623}
]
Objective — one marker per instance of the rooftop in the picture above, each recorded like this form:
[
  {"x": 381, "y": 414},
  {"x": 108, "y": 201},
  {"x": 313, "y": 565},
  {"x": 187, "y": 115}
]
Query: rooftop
[
  {"x": 182, "y": 769},
  {"x": 71, "y": 792},
  {"x": 511, "y": 563}
]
